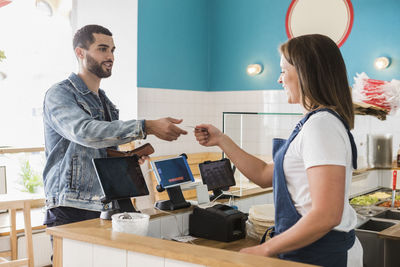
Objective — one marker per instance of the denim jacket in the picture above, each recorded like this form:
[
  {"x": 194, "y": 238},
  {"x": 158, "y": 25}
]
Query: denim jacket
[{"x": 75, "y": 132}]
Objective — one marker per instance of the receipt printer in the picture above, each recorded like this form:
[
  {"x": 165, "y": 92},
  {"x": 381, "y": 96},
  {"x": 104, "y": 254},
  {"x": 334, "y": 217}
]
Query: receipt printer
[{"x": 220, "y": 222}]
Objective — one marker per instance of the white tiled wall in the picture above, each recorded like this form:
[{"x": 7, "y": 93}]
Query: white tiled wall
[{"x": 196, "y": 107}]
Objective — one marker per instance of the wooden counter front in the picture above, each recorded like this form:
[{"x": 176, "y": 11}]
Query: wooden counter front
[{"x": 98, "y": 231}]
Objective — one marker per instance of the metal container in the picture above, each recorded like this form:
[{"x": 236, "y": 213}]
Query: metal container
[
  {"x": 373, "y": 246},
  {"x": 379, "y": 150}
]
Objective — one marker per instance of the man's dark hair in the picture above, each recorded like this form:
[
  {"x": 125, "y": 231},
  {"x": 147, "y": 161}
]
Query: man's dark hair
[{"x": 84, "y": 36}]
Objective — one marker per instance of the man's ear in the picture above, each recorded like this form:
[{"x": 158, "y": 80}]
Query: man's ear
[{"x": 79, "y": 52}]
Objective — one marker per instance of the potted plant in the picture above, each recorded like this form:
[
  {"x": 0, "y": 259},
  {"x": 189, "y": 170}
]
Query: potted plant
[{"x": 30, "y": 179}]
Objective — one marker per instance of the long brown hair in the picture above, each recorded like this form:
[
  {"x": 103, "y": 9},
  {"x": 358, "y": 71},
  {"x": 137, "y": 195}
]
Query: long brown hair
[{"x": 322, "y": 74}]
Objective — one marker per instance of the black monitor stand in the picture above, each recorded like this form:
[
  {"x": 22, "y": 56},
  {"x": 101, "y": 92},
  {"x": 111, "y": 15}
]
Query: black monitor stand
[
  {"x": 176, "y": 200},
  {"x": 218, "y": 193},
  {"x": 118, "y": 206}
]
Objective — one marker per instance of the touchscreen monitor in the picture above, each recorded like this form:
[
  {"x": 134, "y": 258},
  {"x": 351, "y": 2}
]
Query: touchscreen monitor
[
  {"x": 172, "y": 171},
  {"x": 120, "y": 178},
  {"x": 217, "y": 174}
]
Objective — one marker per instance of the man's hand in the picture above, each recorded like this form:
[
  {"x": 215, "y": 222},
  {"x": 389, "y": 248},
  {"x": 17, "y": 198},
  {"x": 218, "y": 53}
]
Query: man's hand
[
  {"x": 142, "y": 159},
  {"x": 164, "y": 128}
]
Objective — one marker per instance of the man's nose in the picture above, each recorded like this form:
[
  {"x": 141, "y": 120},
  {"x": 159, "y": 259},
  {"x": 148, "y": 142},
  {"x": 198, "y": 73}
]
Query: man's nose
[{"x": 110, "y": 56}]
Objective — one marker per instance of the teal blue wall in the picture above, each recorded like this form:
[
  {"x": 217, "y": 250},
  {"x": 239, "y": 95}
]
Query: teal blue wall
[
  {"x": 173, "y": 44},
  {"x": 376, "y": 32},
  {"x": 207, "y": 44},
  {"x": 243, "y": 33}
]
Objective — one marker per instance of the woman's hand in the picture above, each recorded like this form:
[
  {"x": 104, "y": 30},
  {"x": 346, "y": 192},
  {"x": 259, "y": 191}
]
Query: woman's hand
[
  {"x": 260, "y": 250},
  {"x": 208, "y": 135}
]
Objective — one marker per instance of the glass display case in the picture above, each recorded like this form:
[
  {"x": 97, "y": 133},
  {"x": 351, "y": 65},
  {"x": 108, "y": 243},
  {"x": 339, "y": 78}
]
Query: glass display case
[{"x": 254, "y": 132}]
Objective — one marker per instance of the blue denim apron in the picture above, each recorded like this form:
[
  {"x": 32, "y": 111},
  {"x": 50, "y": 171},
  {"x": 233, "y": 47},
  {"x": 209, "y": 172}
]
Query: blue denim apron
[{"x": 331, "y": 249}]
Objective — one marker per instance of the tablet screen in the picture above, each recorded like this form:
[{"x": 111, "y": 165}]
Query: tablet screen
[
  {"x": 217, "y": 174},
  {"x": 120, "y": 177},
  {"x": 172, "y": 172}
]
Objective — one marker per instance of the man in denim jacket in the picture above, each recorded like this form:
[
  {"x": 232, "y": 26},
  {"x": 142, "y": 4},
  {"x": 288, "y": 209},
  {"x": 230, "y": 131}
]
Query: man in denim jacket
[{"x": 80, "y": 122}]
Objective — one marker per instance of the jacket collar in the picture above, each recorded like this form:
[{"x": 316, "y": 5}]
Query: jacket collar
[{"x": 78, "y": 83}]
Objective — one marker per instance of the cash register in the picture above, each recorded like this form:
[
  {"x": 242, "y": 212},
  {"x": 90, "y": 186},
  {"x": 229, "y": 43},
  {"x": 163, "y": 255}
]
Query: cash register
[{"x": 220, "y": 222}]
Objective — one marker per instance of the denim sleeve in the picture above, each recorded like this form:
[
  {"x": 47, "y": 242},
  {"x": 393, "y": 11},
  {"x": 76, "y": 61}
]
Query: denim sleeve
[{"x": 70, "y": 120}]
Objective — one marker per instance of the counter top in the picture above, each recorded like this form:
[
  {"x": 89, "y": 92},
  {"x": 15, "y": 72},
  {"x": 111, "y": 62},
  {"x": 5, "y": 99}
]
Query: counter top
[
  {"x": 98, "y": 231},
  {"x": 392, "y": 232}
]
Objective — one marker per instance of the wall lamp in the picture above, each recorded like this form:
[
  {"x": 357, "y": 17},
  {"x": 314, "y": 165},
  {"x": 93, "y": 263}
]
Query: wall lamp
[
  {"x": 254, "y": 69},
  {"x": 381, "y": 63}
]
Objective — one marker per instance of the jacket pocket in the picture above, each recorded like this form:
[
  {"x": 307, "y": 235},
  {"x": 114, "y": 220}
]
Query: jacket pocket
[
  {"x": 92, "y": 111},
  {"x": 114, "y": 113},
  {"x": 75, "y": 173}
]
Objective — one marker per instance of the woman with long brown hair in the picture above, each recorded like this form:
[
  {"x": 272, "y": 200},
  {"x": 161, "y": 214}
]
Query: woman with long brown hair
[{"x": 311, "y": 170}]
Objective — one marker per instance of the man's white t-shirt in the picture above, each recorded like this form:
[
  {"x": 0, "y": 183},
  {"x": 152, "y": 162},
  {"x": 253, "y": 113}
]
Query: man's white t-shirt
[{"x": 323, "y": 140}]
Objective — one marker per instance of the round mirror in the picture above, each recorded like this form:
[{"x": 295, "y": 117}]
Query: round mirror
[{"x": 333, "y": 18}]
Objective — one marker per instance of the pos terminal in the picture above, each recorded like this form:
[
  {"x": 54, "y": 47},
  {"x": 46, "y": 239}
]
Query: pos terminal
[
  {"x": 120, "y": 179},
  {"x": 170, "y": 174}
]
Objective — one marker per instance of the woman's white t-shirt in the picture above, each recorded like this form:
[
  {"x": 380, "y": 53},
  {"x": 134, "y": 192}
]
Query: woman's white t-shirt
[{"x": 323, "y": 140}]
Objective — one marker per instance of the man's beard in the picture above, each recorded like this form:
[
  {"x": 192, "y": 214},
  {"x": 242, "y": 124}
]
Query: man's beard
[{"x": 96, "y": 68}]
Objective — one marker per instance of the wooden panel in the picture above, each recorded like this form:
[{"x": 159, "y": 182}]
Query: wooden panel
[
  {"x": 22, "y": 262},
  {"x": 57, "y": 251},
  {"x": 37, "y": 221},
  {"x": 5, "y": 254},
  {"x": 13, "y": 234},
  {"x": 193, "y": 160},
  {"x": 28, "y": 232},
  {"x": 20, "y": 150}
]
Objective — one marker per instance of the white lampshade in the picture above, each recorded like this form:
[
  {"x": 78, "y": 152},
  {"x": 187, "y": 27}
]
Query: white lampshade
[
  {"x": 381, "y": 63},
  {"x": 254, "y": 69}
]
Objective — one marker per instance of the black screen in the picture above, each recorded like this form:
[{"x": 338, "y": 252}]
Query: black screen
[
  {"x": 120, "y": 177},
  {"x": 217, "y": 174}
]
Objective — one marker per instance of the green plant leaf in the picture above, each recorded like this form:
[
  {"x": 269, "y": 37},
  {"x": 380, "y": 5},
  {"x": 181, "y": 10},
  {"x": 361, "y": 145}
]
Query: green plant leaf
[
  {"x": 29, "y": 178},
  {"x": 2, "y": 55}
]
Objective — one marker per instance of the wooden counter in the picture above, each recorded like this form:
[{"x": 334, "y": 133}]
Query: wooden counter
[
  {"x": 392, "y": 232},
  {"x": 99, "y": 232}
]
